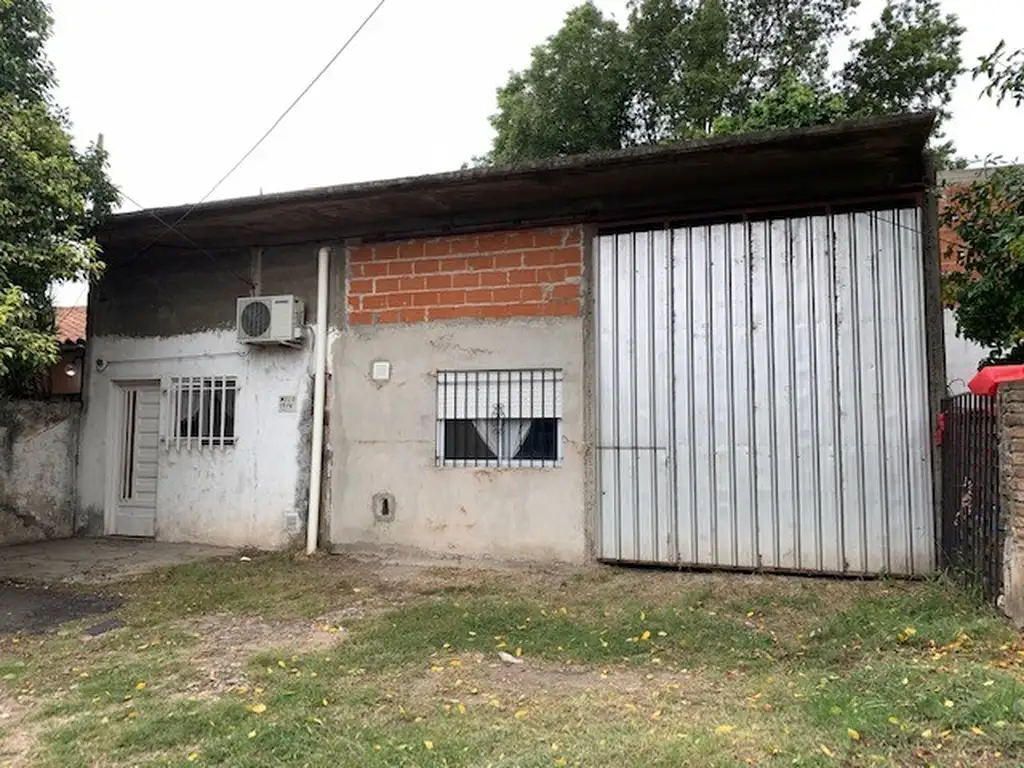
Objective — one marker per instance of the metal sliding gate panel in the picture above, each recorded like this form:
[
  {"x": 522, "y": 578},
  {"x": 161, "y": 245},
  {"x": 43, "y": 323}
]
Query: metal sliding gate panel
[{"x": 763, "y": 395}]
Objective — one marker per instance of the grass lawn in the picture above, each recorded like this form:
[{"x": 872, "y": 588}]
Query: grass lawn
[{"x": 283, "y": 660}]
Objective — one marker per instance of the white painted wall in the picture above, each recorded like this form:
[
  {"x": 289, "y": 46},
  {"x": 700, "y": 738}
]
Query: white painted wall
[
  {"x": 382, "y": 439},
  {"x": 236, "y": 496},
  {"x": 962, "y": 357}
]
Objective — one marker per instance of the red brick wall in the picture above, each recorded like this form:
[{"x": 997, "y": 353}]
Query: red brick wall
[
  {"x": 948, "y": 239},
  {"x": 526, "y": 273}
]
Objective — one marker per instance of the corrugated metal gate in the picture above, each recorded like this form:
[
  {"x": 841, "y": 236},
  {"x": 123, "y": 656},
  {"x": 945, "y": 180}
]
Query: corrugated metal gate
[{"x": 763, "y": 395}]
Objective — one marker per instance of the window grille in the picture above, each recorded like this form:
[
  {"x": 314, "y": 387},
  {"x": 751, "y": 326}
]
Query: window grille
[
  {"x": 499, "y": 418},
  {"x": 202, "y": 412}
]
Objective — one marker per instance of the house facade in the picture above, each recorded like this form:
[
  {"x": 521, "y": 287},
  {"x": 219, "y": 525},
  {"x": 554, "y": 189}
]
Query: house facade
[{"x": 677, "y": 355}]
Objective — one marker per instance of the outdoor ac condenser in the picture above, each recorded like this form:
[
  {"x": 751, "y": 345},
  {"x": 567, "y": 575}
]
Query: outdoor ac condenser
[{"x": 270, "y": 320}]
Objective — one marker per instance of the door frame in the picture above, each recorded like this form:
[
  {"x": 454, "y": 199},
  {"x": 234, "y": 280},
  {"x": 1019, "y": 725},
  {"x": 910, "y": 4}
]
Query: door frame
[{"x": 115, "y": 436}]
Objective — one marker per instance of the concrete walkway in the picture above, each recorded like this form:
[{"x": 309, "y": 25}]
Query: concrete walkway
[{"x": 95, "y": 561}]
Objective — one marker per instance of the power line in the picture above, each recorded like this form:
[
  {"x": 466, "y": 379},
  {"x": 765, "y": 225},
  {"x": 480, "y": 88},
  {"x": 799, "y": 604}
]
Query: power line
[
  {"x": 280, "y": 119},
  {"x": 173, "y": 227},
  {"x": 186, "y": 238}
]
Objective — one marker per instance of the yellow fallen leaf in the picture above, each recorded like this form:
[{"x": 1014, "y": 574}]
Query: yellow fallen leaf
[
  {"x": 428, "y": 744},
  {"x": 454, "y": 663},
  {"x": 646, "y": 635},
  {"x": 376, "y": 747},
  {"x": 561, "y": 761},
  {"x": 947, "y": 703},
  {"x": 894, "y": 720},
  {"x": 252, "y": 734},
  {"x": 323, "y": 702},
  {"x": 977, "y": 731},
  {"x": 723, "y": 729},
  {"x": 193, "y": 757},
  {"x": 926, "y": 733},
  {"x": 656, "y": 715},
  {"x": 105, "y": 720},
  {"x": 462, "y": 708},
  {"x": 139, "y": 685},
  {"x": 520, "y": 714},
  {"x": 643, "y": 616},
  {"x": 242, "y": 690},
  {"x": 826, "y": 751},
  {"x": 853, "y": 734},
  {"x": 495, "y": 703},
  {"x": 989, "y": 682},
  {"x": 502, "y": 645},
  {"x": 435, "y": 668},
  {"x": 281, "y": 663},
  {"x": 519, "y": 651},
  {"x": 257, "y": 691},
  {"x": 259, "y": 708}
]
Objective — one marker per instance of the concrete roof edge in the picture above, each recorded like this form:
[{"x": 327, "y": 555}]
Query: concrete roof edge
[{"x": 919, "y": 123}]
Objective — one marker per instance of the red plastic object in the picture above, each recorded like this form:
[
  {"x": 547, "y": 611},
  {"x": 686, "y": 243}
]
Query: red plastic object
[{"x": 988, "y": 379}]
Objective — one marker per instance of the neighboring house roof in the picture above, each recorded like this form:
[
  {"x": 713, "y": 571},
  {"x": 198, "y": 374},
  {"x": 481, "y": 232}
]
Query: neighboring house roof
[
  {"x": 71, "y": 323},
  {"x": 851, "y": 160}
]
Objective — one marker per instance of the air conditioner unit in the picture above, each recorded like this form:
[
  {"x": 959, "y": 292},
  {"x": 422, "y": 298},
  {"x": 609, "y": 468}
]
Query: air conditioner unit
[{"x": 270, "y": 320}]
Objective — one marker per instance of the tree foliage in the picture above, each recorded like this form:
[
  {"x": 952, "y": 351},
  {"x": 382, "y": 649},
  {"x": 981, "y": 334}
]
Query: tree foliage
[
  {"x": 1005, "y": 72},
  {"x": 988, "y": 216},
  {"x": 988, "y": 289},
  {"x": 51, "y": 196},
  {"x": 681, "y": 69}
]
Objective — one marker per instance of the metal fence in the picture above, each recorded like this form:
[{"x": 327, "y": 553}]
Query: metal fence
[{"x": 972, "y": 528}]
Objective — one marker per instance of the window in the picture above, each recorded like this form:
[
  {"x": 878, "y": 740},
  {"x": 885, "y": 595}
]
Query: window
[
  {"x": 202, "y": 411},
  {"x": 499, "y": 418}
]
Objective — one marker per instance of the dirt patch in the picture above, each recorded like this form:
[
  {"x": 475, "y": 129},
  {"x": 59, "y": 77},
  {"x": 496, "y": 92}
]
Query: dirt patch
[
  {"x": 477, "y": 675},
  {"x": 227, "y": 643},
  {"x": 33, "y": 610},
  {"x": 16, "y": 740}
]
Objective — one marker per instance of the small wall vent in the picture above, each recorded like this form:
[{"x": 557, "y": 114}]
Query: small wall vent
[{"x": 270, "y": 320}]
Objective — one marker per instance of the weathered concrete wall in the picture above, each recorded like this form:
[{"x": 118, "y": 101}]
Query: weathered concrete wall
[
  {"x": 168, "y": 292},
  {"x": 383, "y": 440},
  {"x": 172, "y": 313},
  {"x": 38, "y": 450},
  {"x": 1011, "y": 488}
]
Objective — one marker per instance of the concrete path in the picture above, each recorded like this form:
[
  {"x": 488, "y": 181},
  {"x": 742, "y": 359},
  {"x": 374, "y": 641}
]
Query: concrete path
[{"x": 95, "y": 561}]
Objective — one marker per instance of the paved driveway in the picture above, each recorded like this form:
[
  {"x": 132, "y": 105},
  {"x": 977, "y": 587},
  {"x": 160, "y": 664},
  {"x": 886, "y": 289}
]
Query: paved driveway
[
  {"x": 41, "y": 585},
  {"x": 95, "y": 561}
]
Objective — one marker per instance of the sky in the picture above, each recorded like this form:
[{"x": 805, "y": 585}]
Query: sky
[{"x": 181, "y": 90}]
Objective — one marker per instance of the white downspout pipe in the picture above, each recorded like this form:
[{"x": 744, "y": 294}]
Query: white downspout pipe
[{"x": 316, "y": 464}]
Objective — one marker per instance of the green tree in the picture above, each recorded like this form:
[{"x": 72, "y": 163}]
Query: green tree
[
  {"x": 51, "y": 196},
  {"x": 988, "y": 216},
  {"x": 681, "y": 69},
  {"x": 1005, "y": 72},
  {"x": 988, "y": 290}
]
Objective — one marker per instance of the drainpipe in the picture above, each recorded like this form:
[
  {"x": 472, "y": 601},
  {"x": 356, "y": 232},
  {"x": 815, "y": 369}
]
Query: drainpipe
[{"x": 317, "y": 452}]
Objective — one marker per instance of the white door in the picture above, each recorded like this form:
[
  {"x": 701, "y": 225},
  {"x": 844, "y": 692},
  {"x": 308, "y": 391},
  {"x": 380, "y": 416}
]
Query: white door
[{"x": 139, "y": 437}]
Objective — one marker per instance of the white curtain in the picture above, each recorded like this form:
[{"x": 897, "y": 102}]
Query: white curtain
[{"x": 503, "y": 437}]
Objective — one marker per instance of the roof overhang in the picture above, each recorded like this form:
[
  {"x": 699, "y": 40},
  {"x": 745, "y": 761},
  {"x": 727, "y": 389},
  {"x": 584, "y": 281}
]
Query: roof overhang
[{"x": 875, "y": 158}]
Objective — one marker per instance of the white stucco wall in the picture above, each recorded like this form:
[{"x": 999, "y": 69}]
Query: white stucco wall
[
  {"x": 962, "y": 357},
  {"x": 240, "y": 495},
  {"x": 382, "y": 438}
]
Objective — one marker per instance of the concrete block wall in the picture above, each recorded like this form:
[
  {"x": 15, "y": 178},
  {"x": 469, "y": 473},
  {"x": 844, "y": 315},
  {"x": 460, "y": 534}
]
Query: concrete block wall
[
  {"x": 494, "y": 301},
  {"x": 531, "y": 273},
  {"x": 38, "y": 455}
]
